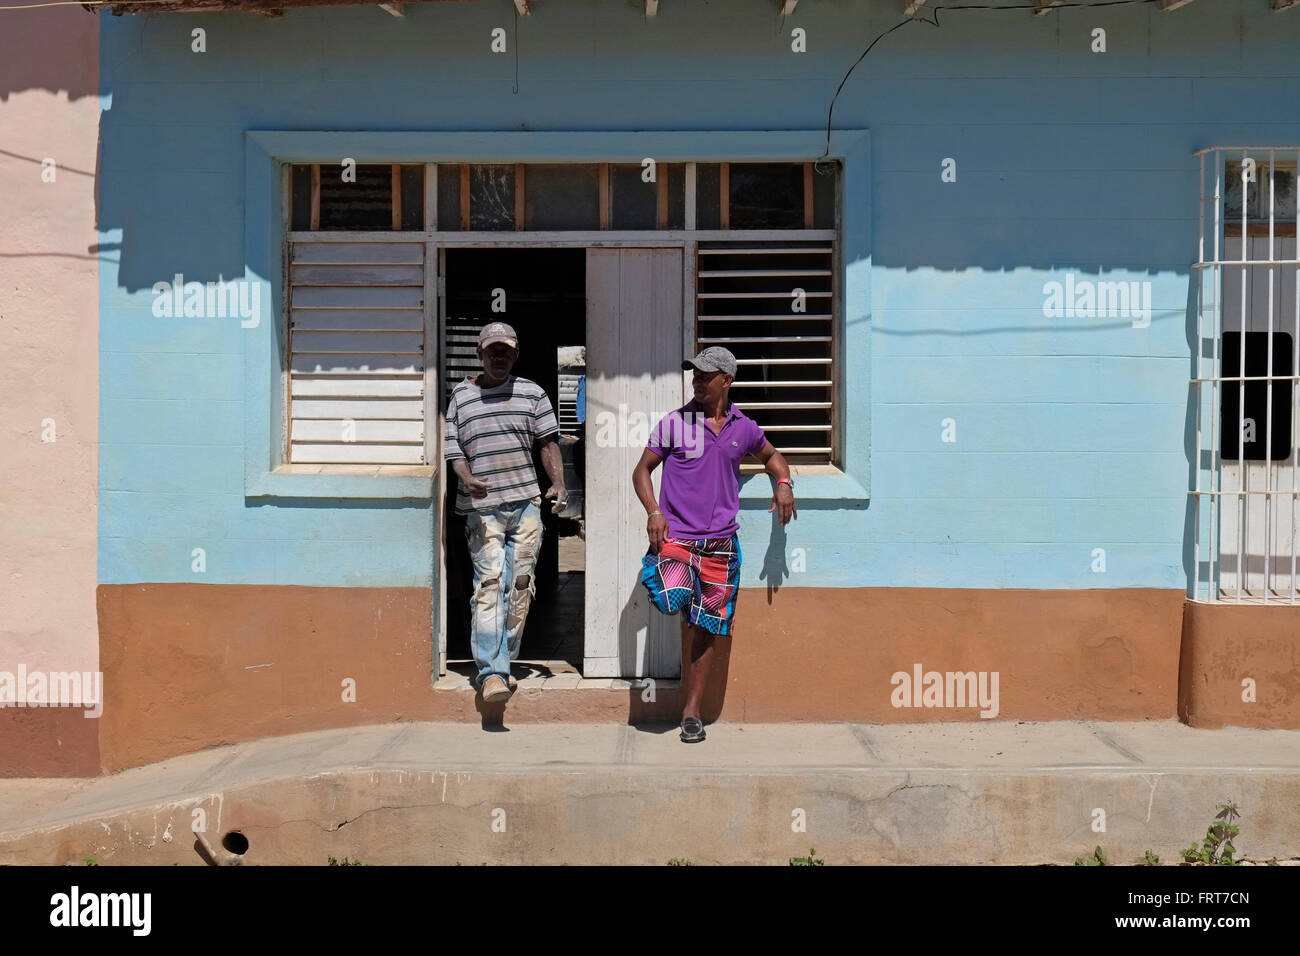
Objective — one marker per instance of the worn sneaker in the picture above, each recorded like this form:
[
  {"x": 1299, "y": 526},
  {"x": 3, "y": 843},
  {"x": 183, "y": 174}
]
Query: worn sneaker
[
  {"x": 495, "y": 689},
  {"x": 512, "y": 684}
]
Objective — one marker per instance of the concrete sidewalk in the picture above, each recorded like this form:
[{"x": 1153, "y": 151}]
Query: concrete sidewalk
[{"x": 991, "y": 792}]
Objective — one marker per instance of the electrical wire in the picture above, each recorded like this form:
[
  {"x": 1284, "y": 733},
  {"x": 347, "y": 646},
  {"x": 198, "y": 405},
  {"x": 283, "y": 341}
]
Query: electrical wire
[
  {"x": 88, "y": 4},
  {"x": 934, "y": 22}
]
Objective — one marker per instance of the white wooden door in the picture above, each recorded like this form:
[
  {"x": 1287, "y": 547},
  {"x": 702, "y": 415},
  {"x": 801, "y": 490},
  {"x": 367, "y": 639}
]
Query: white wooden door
[
  {"x": 1257, "y": 530},
  {"x": 634, "y": 356}
]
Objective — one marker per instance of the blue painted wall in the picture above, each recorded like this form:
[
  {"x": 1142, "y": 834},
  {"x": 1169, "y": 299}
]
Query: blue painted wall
[{"x": 1072, "y": 433}]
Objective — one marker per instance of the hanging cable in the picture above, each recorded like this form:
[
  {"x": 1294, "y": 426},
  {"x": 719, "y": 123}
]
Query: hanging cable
[{"x": 934, "y": 22}]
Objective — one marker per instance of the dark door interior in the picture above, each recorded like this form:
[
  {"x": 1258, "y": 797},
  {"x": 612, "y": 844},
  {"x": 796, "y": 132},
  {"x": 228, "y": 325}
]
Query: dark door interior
[{"x": 545, "y": 302}]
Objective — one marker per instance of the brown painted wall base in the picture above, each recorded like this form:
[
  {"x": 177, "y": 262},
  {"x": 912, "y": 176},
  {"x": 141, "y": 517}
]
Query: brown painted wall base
[
  {"x": 1225, "y": 645},
  {"x": 828, "y": 654},
  {"x": 48, "y": 742},
  {"x": 188, "y": 666}
]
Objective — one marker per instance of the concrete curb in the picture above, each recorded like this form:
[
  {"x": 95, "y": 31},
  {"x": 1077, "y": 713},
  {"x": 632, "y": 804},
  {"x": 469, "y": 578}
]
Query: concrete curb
[{"x": 446, "y": 793}]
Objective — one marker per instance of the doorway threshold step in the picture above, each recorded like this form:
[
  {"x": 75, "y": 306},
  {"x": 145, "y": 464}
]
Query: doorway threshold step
[{"x": 558, "y": 681}]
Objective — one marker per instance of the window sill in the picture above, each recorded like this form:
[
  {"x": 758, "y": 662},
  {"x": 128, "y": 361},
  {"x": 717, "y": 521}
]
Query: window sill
[
  {"x": 811, "y": 483},
  {"x": 345, "y": 481}
]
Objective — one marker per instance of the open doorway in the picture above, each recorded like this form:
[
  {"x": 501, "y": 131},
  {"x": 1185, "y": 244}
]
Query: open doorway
[{"x": 542, "y": 294}]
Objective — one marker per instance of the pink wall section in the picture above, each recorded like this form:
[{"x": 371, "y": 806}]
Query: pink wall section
[{"x": 49, "y": 319}]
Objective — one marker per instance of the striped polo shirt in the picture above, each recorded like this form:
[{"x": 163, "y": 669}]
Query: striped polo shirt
[{"x": 495, "y": 429}]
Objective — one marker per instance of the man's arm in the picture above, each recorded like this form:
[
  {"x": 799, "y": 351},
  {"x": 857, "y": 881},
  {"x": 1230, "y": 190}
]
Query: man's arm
[
  {"x": 547, "y": 430},
  {"x": 477, "y": 487},
  {"x": 656, "y": 525},
  {"x": 783, "y": 497},
  {"x": 553, "y": 462}
]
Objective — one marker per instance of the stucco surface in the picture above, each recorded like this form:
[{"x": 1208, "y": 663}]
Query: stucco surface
[{"x": 49, "y": 389}]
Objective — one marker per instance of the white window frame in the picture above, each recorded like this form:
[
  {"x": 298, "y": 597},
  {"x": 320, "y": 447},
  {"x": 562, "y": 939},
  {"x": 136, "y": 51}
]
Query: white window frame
[
  {"x": 435, "y": 241},
  {"x": 269, "y": 153}
]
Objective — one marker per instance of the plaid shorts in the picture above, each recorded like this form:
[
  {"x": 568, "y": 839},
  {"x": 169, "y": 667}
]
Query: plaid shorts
[{"x": 701, "y": 575}]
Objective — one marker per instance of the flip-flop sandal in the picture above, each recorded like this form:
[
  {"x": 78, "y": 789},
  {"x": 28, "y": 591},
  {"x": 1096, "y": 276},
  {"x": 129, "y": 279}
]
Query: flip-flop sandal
[{"x": 692, "y": 730}]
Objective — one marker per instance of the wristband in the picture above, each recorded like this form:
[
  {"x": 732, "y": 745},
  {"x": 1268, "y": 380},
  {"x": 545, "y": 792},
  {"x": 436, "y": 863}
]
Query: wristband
[
  {"x": 786, "y": 481},
  {"x": 653, "y": 513}
]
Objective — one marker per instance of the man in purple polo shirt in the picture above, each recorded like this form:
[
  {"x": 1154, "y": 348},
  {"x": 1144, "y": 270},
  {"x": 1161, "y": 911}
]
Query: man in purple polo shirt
[{"x": 694, "y": 556}]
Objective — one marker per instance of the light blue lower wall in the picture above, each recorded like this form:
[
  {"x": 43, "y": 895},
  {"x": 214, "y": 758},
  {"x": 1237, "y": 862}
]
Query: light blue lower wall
[{"x": 1071, "y": 433}]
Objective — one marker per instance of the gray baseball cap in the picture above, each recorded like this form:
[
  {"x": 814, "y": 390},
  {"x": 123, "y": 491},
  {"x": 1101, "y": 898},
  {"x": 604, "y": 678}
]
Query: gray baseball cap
[
  {"x": 497, "y": 332},
  {"x": 713, "y": 359}
]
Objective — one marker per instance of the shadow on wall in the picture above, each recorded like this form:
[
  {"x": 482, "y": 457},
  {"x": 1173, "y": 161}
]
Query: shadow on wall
[
  {"x": 780, "y": 563},
  {"x": 55, "y": 49}
]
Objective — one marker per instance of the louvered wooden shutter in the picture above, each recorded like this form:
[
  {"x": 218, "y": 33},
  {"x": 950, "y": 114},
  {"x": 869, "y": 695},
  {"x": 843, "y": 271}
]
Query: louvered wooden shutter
[{"x": 357, "y": 353}]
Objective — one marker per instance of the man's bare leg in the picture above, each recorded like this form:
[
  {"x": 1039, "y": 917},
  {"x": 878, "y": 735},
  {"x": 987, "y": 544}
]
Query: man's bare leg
[{"x": 698, "y": 645}]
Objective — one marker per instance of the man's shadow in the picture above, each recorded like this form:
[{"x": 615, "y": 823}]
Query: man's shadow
[
  {"x": 780, "y": 561},
  {"x": 776, "y": 567}
]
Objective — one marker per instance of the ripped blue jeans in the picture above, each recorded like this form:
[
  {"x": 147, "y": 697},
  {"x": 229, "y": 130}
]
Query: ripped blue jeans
[{"x": 503, "y": 545}]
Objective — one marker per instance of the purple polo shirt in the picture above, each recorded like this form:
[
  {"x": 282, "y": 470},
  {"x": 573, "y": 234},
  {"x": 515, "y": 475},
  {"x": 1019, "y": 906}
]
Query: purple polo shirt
[{"x": 700, "y": 491}]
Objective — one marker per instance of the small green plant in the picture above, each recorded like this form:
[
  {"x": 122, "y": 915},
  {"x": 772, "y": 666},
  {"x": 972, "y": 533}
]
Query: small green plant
[
  {"x": 1217, "y": 849},
  {"x": 1149, "y": 859},
  {"x": 1098, "y": 858},
  {"x": 346, "y": 862},
  {"x": 90, "y": 861},
  {"x": 680, "y": 861},
  {"x": 809, "y": 860}
]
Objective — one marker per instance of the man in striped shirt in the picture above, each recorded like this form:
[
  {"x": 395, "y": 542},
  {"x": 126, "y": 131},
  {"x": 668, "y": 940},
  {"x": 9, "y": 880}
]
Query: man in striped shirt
[{"x": 493, "y": 422}]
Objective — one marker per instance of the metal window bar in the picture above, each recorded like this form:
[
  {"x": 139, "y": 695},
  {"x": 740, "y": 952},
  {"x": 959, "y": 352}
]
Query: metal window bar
[
  {"x": 745, "y": 301},
  {"x": 1235, "y": 537}
]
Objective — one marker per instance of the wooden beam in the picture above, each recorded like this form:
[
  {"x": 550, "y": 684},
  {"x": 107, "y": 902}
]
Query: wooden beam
[
  {"x": 1168, "y": 5},
  {"x": 1042, "y": 6},
  {"x": 265, "y": 7},
  {"x": 724, "y": 196},
  {"x": 519, "y": 196},
  {"x": 464, "y": 195},
  {"x": 397, "y": 197},
  {"x": 523, "y": 7},
  {"x": 394, "y": 9},
  {"x": 691, "y": 197},
  {"x": 286, "y": 190},
  {"x": 315, "y": 197},
  {"x": 602, "y": 183},
  {"x": 651, "y": 7},
  {"x": 787, "y": 7},
  {"x": 807, "y": 195},
  {"x": 911, "y": 6},
  {"x": 661, "y": 196},
  {"x": 431, "y": 196}
]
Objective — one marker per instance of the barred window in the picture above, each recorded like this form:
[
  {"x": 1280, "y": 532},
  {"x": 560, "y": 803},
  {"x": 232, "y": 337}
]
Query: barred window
[{"x": 1247, "y": 488}]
